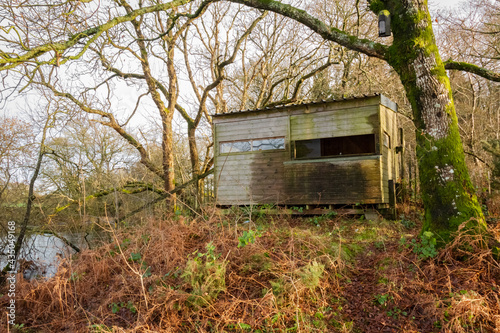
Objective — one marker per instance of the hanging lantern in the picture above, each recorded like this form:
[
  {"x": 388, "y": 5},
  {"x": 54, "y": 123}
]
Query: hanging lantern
[{"x": 384, "y": 24}]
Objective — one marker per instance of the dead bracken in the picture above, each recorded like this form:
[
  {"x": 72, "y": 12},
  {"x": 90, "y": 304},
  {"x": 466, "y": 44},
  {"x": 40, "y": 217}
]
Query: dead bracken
[{"x": 311, "y": 274}]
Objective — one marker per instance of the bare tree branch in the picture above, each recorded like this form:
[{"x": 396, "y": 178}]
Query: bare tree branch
[
  {"x": 9, "y": 60},
  {"x": 110, "y": 123},
  {"x": 365, "y": 46}
]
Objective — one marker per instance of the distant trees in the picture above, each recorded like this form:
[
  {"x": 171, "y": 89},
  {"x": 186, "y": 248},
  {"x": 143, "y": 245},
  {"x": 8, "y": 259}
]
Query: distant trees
[
  {"x": 472, "y": 34},
  {"x": 84, "y": 150},
  {"x": 15, "y": 137},
  {"x": 49, "y": 115},
  {"x": 81, "y": 159}
]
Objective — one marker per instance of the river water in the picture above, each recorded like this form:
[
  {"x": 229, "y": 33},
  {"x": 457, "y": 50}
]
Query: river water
[{"x": 41, "y": 254}]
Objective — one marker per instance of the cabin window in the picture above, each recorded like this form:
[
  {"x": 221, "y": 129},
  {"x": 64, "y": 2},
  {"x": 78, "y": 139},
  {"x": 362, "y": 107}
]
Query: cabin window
[
  {"x": 339, "y": 146},
  {"x": 235, "y": 147},
  {"x": 252, "y": 145},
  {"x": 268, "y": 144}
]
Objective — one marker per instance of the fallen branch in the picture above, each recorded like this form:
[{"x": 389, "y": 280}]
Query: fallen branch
[
  {"x": 165, "y": 195},
  {"x": 64, "y": 239},
  {"x": 139, "y": 188},
  {"x": 135, "y": 211}
]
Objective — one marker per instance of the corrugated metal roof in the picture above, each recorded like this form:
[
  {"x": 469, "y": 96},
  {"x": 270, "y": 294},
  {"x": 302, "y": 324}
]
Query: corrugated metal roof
[{"x": 302, "y": 104}]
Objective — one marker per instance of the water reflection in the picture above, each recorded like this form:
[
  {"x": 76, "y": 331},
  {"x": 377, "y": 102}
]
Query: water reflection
[{"x": 41, "y": 254}]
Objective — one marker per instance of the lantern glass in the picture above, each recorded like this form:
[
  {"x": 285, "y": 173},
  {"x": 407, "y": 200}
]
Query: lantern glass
[
  {"x": 381, "y": 27},
  {"x": 384, "y": 24}
]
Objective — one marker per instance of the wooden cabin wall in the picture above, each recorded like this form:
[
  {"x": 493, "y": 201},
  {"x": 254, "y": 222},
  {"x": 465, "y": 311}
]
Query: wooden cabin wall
[
  {"x": 274, "y": 177},
  {"x": 336, "y": 123},
  {"x": 390, "y": 169},
  {"x": 245, "y": 129},
  {"x": 251, "y": 177},
  {"x": 335, "y": 180},
  {"x": 342, "y": 180}
]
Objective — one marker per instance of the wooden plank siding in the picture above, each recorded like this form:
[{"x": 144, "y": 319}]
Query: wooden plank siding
[
  {"x": 253, "y": 129},
  {"x": 272, "y": 176},
  {"x": 388, "y": 124},
  {"x": 334, "y": 182},
  {"x": 254, "y": 177},
  {"x": 363, "y": 120}
]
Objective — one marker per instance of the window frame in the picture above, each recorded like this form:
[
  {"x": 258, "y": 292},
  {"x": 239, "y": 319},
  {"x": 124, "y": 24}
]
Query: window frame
[{"x": 388, "y": 137}]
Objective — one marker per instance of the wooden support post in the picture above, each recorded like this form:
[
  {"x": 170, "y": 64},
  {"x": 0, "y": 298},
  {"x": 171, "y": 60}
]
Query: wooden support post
[{"x": 392, "y": 198}]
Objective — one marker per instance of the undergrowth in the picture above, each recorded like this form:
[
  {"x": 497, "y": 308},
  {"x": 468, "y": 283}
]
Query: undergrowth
[{"x": 267, "y": 273}]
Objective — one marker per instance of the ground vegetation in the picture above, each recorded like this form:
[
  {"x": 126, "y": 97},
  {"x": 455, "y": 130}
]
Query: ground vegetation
[{"x": 239, "y": 272}]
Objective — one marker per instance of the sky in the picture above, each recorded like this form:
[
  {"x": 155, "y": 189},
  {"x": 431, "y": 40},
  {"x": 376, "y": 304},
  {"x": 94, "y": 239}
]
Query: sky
[{"x": 444, "y": 3}]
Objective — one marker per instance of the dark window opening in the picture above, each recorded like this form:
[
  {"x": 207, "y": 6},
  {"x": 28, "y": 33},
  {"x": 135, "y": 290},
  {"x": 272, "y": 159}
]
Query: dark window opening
[{"x": 340, "y": 146}]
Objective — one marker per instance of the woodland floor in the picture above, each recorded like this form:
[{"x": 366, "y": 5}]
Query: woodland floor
[{"x": 242, "y": 272}]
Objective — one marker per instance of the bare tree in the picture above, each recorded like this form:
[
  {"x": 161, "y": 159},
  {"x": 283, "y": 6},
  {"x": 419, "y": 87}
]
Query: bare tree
[
  {"x": 16, "y": 137},
  {"x": 277, "y": 62},
  {"x": 49, "y": 119},
  {"x": 142, "y": 52},
  {"x": 471, "y": 34}
]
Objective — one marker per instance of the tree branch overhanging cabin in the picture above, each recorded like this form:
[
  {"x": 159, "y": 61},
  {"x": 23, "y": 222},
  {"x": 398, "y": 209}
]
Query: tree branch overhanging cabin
[{"x": 340, "y": 152}]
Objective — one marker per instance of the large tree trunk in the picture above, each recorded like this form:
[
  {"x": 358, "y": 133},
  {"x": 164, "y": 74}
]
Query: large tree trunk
[
  {"x": 447, "y": 192},
  {"x": 168, "y": 155},
  {"x": 167, "y": 117},
  {"x": 195, "y": 163},
  {"x": 166, "y": 112}
]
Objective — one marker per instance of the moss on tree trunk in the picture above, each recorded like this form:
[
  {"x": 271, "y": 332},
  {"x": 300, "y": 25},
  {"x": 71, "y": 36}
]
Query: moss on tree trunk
[{"x": 447, "y": 192}]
